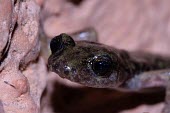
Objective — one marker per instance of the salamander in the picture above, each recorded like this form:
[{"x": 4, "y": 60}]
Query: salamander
[{"x": 97, "y": 65}]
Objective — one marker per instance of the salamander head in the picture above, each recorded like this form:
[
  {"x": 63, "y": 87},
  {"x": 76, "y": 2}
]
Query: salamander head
[{"x": 87, "y": 63}]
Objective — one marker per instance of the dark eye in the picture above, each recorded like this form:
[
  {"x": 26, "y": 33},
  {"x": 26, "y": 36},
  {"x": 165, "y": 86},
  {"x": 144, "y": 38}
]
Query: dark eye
[
  {"x": 61, "y": 41},
  {"x": 56, "y": 44},
  {"x": 102, "y": 65}
]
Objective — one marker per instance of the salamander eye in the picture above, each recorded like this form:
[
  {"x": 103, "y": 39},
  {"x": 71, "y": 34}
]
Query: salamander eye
[
  {"x": 102, "y": 65},
  {"x": 61, "y": 41}
]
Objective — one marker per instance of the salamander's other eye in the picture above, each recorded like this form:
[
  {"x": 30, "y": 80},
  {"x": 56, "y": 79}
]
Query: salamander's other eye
[
  {"x": 61, "y": 41},
  {"x": 102, "y": 65}
]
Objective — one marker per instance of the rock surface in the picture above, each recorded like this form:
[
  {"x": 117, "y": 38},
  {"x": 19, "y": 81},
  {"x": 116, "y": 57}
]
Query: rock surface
[{"x": 19, "y": 45}]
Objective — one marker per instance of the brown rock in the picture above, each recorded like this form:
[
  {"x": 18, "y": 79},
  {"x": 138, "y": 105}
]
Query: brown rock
[
  {"x": 19, "y": 45},
  {"x": 6, "y": 25}
]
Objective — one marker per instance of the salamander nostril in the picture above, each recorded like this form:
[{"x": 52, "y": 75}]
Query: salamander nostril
[{"x": 61, "y": 41}]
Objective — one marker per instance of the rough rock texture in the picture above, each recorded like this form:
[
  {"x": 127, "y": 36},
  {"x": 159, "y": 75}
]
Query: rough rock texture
[
  {"x": 5, "y": 21},
  {"x": 131, "y": 24},
  {"x": 19, "y": 45}
]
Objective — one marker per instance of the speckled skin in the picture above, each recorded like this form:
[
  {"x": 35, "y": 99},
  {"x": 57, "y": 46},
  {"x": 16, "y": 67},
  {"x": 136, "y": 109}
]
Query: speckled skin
[{"x": 72, "y": 60}]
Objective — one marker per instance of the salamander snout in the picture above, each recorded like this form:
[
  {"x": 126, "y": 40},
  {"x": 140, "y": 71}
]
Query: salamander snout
[{"x": 58, "y": 43}]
